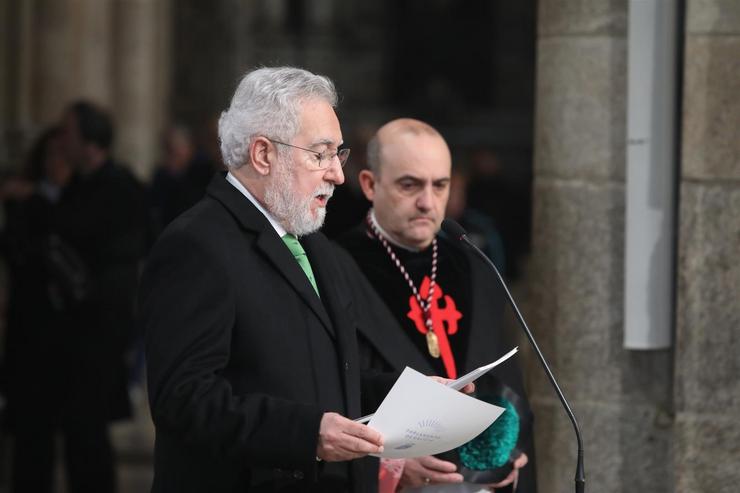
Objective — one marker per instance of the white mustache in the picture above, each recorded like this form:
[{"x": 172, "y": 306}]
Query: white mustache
[{"x": 327, "y": 190}]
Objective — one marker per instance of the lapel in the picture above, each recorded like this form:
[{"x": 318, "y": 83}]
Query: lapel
[
  {"x": 338, "y": 304},
  {"x": 269, "y": 244},
  {"x": 335, "y": 300},
  {"x": 318, "y": 251}
]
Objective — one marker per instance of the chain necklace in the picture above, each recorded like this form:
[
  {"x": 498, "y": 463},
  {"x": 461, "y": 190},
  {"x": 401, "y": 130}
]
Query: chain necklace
[{"x": 426, "y": 305}]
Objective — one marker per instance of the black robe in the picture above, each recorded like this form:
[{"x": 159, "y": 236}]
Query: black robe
[{"x": 469, "y": 303}]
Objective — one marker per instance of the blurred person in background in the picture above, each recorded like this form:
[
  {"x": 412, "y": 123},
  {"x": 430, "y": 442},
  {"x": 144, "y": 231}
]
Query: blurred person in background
[
  {"x": 480, "y": 227},
  {"x": 99, "y": 236},
  {"x": 33, "y": 365},
  {"x": 208, "y": 143},
  {"x": 181, "y": 178},
  {"x": 501, "y": 192}
]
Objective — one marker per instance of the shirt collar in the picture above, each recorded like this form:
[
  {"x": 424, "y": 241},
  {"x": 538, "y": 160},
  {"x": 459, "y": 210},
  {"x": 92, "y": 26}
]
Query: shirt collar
[{"x": 239, "y": 186}]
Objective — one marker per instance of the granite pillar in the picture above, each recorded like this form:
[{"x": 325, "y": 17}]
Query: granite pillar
[
  {"x": 5, "y": 39},
  {"x": 71, "y": 55},
  {"x": 209, "y": 56},
  {"x": 621, "y": 398},
  {"x": 138, "y": 105},
  {"x": 94, "y": 41},
  {"x": 707, "y": 389},
  {"x": 110, "y": 52},
  {"x": 56, "y": 60}
]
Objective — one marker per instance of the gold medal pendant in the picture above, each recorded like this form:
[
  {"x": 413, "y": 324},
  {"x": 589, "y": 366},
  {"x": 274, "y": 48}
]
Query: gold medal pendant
[{"x": 432, "y": 344}]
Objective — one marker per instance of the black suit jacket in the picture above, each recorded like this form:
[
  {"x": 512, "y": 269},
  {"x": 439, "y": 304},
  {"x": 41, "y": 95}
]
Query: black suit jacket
[{"x": 243, "y": 357}]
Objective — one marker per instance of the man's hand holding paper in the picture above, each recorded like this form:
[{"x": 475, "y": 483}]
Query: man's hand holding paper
[
  {"x": 421, "y": 417},
  {"x": 343, "y": 439},
  {"x": 467, "y": 389}
]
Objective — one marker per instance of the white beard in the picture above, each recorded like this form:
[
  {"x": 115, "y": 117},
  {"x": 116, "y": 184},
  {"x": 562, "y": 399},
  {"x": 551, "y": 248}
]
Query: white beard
[{"x": 292, "y": 211}]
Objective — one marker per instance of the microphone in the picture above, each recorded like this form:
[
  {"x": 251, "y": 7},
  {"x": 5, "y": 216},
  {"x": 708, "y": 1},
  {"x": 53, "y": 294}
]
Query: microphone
[{"x": 454, "y": 230}]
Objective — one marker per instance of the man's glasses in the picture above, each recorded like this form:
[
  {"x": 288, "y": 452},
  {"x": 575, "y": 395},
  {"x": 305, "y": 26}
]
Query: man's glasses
[{"x": 323, "y": 159}]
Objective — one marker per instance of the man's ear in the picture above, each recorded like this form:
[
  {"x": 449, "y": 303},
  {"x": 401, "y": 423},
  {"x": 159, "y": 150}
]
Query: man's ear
[
  {"x": 367, "y": 183},
  {"x": 262, "y": 155}
]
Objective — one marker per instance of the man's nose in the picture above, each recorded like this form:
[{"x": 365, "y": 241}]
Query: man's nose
[
  {"x": 424, "y": 201},
  {"x": 334, "y": 173}
]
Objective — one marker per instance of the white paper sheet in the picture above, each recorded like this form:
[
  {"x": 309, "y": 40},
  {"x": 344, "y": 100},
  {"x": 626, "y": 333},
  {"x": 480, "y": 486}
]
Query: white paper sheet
[
  {"x": 422, "y": 417},
  {"x": 473, "y": 375},
  {"x": 465, "y": 379}
]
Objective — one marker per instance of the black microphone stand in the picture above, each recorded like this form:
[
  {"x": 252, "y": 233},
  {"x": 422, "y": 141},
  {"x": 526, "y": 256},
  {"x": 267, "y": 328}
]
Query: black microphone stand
[{"x": 456, "y": 231}]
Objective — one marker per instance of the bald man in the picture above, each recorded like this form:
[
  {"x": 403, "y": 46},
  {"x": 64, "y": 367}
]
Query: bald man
[{"x": 444, "y": 304}]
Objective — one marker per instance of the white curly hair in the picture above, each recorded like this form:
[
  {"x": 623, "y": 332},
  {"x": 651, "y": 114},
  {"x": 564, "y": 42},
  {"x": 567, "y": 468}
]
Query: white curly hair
[{"x": 266, "y": 102}]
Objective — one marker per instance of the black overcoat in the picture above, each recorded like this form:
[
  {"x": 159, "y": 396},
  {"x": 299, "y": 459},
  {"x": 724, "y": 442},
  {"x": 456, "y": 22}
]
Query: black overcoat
[{"x": 243, "y": 357}]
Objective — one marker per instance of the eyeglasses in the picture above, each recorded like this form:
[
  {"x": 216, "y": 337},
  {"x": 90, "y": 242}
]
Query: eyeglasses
[{"x": 323, "y": 159}]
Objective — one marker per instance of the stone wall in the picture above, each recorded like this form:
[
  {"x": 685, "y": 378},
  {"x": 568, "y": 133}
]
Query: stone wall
[
  {"x": 707, "y": 387},
  {"x": 621, "y": 398},
  {"x": 658, "y": 421}
]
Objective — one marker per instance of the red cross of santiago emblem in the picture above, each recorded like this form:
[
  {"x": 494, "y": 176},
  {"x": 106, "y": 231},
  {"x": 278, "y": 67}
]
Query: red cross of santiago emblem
[{"x": 444, "y": 321}]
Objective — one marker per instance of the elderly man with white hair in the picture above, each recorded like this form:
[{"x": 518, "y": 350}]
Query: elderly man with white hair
[{"x": 250, "y": 333}]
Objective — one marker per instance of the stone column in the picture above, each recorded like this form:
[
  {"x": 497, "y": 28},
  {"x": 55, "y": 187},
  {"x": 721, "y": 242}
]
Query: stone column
[
  {"x": 95, "y": 43},
  {"x": 5, "y": 40},
  {"x": 56, "y": 60},
  {"x": 15, "y": 70},
  {"x": 707, "y": 387},
  {"x": 72, "y": 46},
  {"x": 208, "y": 56},
  {"x": 111, "y": 52},
  {"x": 622, "y": 398},
  {"x": 137, "y": 102}
]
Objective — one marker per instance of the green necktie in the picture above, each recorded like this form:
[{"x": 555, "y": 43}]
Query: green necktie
[{"x": 300, "y": 255}]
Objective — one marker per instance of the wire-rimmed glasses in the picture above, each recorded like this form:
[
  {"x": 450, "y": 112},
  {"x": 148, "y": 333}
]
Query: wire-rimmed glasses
[{"x": 324, "y": 158}]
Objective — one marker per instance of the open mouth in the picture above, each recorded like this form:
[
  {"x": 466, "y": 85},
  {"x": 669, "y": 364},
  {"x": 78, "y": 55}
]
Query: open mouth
[{"x": 322, "y": 199}]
